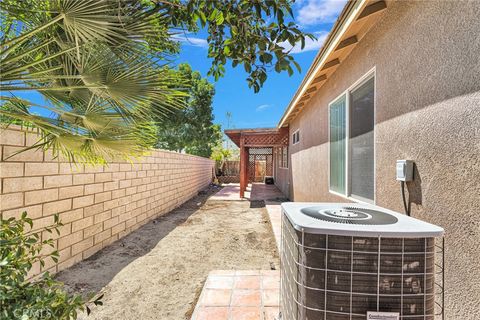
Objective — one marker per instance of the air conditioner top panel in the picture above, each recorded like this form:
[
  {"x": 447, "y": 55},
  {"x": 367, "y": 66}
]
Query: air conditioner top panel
[{"x": 354, "y": 219}]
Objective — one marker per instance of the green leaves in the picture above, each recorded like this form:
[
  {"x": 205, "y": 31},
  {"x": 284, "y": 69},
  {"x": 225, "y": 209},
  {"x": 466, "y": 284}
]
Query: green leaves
[
  {"x": 239, "y": 31},
  {"x": 92, "y": 62},
  {"x": 41, "y": 298},
  {"x": 191, "y": 128}
]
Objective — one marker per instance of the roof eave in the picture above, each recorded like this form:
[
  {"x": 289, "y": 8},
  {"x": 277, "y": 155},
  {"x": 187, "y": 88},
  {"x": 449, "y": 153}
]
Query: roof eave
[{"x": 345, "y": 19}]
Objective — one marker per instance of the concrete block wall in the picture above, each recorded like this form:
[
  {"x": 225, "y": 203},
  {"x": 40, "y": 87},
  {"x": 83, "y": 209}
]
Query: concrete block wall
[{"x": 97, "y": 205}]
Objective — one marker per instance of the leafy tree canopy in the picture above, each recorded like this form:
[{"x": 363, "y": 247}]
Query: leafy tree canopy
[
  {"x": 191, "y": 128},
  {"x": 100, "y": 64}
]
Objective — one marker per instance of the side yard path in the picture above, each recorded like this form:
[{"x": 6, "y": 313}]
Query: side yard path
[{"x": 158, "y": 271}]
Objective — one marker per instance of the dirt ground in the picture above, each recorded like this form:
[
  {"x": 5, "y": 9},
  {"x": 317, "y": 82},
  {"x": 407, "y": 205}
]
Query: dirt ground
[{"x": 157, "y": 272}]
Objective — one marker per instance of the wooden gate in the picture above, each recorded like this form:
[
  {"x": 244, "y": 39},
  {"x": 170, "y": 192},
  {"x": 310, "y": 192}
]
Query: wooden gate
[{"x": 260, "y": 164}]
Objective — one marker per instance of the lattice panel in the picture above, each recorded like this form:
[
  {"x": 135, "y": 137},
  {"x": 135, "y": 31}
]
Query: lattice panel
[
  {"x": 266, "y": 139},
  {"x": 260, "y": 164}
]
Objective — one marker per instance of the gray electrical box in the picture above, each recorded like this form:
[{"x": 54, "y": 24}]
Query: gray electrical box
[{"x": 404, "y": 170}]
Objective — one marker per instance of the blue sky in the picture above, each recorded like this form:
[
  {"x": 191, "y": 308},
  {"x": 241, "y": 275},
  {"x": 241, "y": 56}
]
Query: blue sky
[
  {"x": 265, "y": 108},
  {"x": 249, "y": 109}
]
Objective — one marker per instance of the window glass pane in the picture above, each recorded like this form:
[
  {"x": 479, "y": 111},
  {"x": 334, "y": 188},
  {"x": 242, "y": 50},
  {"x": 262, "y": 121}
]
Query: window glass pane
[
  {"x": 361, "y": 141},
  {"x": 337, "y": 145},
  {"x": 285, "y": 157}
]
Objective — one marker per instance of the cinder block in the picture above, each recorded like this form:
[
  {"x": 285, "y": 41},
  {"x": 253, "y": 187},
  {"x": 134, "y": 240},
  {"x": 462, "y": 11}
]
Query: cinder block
[
  {"x": 41, "y": 169},
  {"x": 40, "y": 196},
  {"x": 111, "y": 167},
  {"x": 125, "y": 184},
  {"x": 82, "y": 245},
  {"x": 69, "y": 262},
  {"x": 118, "y": 176},
  {"x": 70, "y": 216},
  {"x": 103, "y": 177},
  {"x": 93, "y": 169},
  {"x": 108, "y": 186},
  {"x": 93, "y": 230},
  {"x": 58, "y": 181},
  {"x": 57, "y": 207},
  {"x": 64, "y": 230},
  {"x": 103, "y": 216},
  {"x": 11, "y": 169},
  {"x": 44, "y": 222},
  {"x": 70, "y": 168},
  {"x": 64, "y": 254},
  {"x": 22, "y": 184},
  {"x": 118, "y": 228},
  {"x": 82, "y": 224},
  {"x": 70, "y": 192},
  {"x": 118, "y": 193},
  {"x": 12, "y": 138},
  {"x": 107, "y": 224},
  {"x": 92, "y": 210},
  {"x": 125, "y": 167},
  {"x": 103, "y": 236},
  {"x": 84, "y": 201},
  {"x": 93, "y": 188},
  {"x": 107, "y": 205},
  {"x": 69, "y": 240},
  {"x": 33, "y": 212},
  {"x": 12, "y": 154},
  {"x": 102, "y": 197},
  {"x": 11, "y": 200},
  {"x": 83, "y": 178}
]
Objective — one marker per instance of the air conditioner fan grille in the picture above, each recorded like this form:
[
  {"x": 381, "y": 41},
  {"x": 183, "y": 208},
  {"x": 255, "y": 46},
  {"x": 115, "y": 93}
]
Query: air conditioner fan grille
[{"x": 350, "y": 215}]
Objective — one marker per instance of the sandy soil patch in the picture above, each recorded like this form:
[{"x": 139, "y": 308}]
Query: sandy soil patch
[{"x": 158, "y": 271}]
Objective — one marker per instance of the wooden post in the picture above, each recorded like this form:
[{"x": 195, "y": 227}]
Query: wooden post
[{"x": 243, "y": 167}]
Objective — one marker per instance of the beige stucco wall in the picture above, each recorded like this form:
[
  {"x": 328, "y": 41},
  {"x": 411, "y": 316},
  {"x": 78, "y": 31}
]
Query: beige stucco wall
[
  {"x": 97, "y": 205},
  {"x": 427, "y": 60}
]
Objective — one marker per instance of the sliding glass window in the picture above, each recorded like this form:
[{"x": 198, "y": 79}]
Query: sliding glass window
[
  {"x": 361, "y": 141},
  {"x": 352, "y": 173},
  {"x": 338, "y": 144}
]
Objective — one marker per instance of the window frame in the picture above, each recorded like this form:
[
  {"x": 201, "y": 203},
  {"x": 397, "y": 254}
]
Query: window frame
[
  {"x": 296, "y": 137},
  {"x": 347, "y": 93},
  {"x": 283, "y": 162}
]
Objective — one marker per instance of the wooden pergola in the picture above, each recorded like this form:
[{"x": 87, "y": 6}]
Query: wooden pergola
[{"x": 255, "y": 138}]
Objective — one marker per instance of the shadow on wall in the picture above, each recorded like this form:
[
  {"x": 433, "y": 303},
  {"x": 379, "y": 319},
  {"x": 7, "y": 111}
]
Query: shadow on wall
[
  {"x": 95, "y": 272},
  {"x": 415, "y": 187}
]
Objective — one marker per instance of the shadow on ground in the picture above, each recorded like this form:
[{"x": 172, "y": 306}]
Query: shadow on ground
[
  {"x": 157, "y": 271},
  {"x": 99, "y": 269}
]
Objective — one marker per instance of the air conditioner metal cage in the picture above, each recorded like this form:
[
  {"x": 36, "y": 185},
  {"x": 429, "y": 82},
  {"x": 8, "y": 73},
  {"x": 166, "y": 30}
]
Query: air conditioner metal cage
[{"x": 341, "y": 277}]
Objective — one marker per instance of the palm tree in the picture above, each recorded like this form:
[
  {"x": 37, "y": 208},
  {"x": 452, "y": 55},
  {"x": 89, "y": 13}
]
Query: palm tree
[{"x": 96, "y": 63}]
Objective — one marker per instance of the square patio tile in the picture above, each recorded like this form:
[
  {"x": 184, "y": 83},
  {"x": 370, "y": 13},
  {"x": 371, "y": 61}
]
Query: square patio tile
[
  {"x": 247, "y": 282},
  {"x": 271, "y": 282},
  {"x": 216, "y": 297},
  {"x": 270, "y": 272},
  {"x": 219, "y": 282},
  {"x": 222, "y": 273},
  {"x": 246, "y": 298},
  {"x": 271, "y": 313},
  {"x": 245, "y": 313},
  {"x": 247, "y": 272},
  {"x": 271, "y": 297},
  {"x": 212, "y": 313}
]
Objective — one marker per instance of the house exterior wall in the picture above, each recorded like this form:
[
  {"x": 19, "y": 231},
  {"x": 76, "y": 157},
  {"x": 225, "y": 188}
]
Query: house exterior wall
[
  {"x": 97, "y": 205},
  {"x": 426, "y": 56}
]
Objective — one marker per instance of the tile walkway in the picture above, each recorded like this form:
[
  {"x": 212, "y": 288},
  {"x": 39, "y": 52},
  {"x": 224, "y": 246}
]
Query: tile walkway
[
  {"x": 244, "y": 294},
  {"x": 239, "y": 295}
]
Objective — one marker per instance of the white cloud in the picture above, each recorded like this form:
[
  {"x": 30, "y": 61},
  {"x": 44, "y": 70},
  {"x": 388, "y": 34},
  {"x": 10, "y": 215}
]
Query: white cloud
[
  {"x": 313, "y": 12},
  {"x": 192, "y": 41},
  {"x": 263, "y": 107},
  {"x": 310, "y": 45}
]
